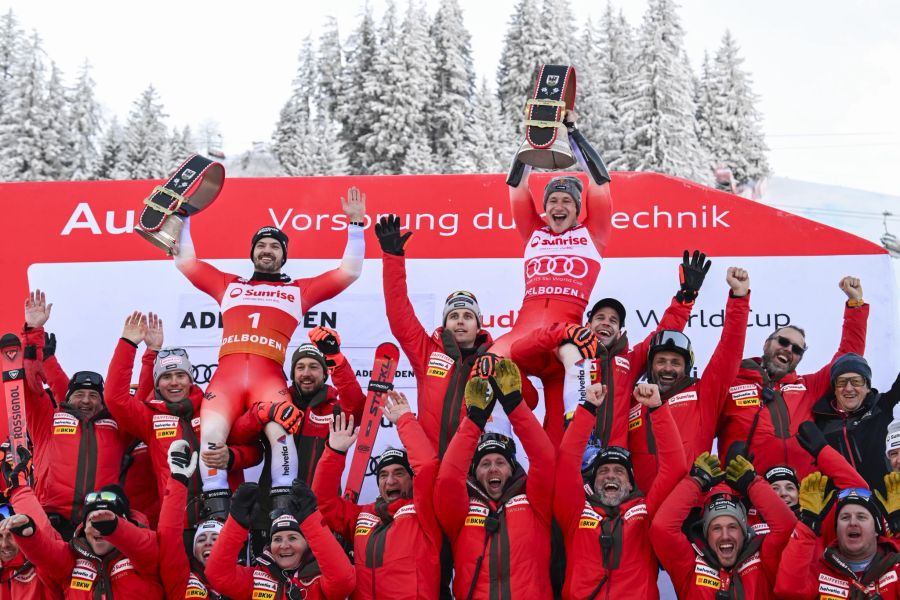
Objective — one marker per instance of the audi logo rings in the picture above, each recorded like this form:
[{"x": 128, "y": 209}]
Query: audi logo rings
[
  {"x": 201, "y": 373},
  {"x": 558, "y": 266}
]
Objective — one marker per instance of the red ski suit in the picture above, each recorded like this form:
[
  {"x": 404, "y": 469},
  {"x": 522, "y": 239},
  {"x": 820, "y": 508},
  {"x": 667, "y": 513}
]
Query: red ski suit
[
  {"x": 516, "y": 561},
  {"x": 332, "y": 579},
  {"x": 72, "y": 456},
  {"x": 440, "y": 369},
  {"x": 805, "y": 574},
  {"x": 181, "y": 575},
  {"x": 695, "y": 408},
  {"x": 617, "y": 367},
  {"x": 697, "y": 577},
  {"x": 259, "y": 317},
  {"x": 129, "y": 572},
  {"x": 158, "y": 423},
  {"x": 20, "y": 582},
  {"x": 773, "y": 441},
  {"x": 318, "y": 415},
  {"x": 630, "y": 568},
  {"x": 396, "y": 546}
]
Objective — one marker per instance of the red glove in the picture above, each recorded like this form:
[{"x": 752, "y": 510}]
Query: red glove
[
  {"x": 284, "y": 413},
  {"x": 329, "y": 343},
  {"x": 583, "y": 338}
]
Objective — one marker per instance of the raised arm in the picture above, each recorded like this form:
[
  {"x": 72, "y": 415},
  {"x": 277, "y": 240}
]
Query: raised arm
[
  {"x": 521, "y": 204},
  {"x": 130, "y": 413},
  {"x": 153, "y": 339},
  {"x": 669, "y": 542},
  {"x": 568, "y": 498},
  {"x": 331, "y": 283},
  {"x": 174, "y": 568},
  {"x": 672, "y": 461},
  {"x": 225, "y": 575},
  {"x": 204, "y": 276},
  {"x": 340, "y": 514},
  {"x": 338, "y": 577}
]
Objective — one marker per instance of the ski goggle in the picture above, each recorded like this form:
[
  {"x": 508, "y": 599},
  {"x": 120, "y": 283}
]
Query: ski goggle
[
  {"x": 172, "y": 352},
  {"x": 464, "y": 294},
  {"x": 671, "y": 338},
  {"x": 6, "y": 511},
  {"x": 104, "y": 500},
  {"x": 862, "y": 493},
  {"x": 87, "y": 378}
]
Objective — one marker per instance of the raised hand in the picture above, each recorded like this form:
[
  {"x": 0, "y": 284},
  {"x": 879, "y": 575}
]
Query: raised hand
[
  {"x": 648, "y": 395},
  {"x": 738, "y": 280},
  {"x": 395, "y": 406},
  {"x": 691, "y": 273},
  {"x": 354, "y": 205},
  {"x": 153, "y": 336},
  {"x": 387, "y": 230},
  {"x": 37, "y": 311},
  {"x": 182, "y": 462},
  {"x": 814, "y": 501},
  {"x": 707, "y": 471},
  {"x": 342, "y": 434},
  {"x": 135, "y": 327},
  {"x": 852, "y": 287},
  {"x": 595, "y": 394}
]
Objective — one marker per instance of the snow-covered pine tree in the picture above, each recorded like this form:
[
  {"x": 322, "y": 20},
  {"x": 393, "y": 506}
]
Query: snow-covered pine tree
[
  {"x": 453, "y": 126},
  {"x": 516, "y": 72},
  {"x": 735, "y": 138},
  {"x": 292, "y": 142},
  {"x": 56, "y": 142},
  {"x": 145, "y": 145},
  {"x": 181, "y": 145},
  {"x": 416, "y": 95},
  {"x": 704, "y": 99},
  {"x": 12, "y": 47},
  {"x": 356, "y": 102},
  {"x": 329, "y": 65},
  {"x": 85, "y": 118},
  {"x": 330, "y": 158},
  {"x": 558, "y": 44},
  {"x": 384, "y": 146},
  {"x": 24, "y": 117},
  {"x": 661, "y": 113},
  {"x": 112, "y": 152},
  {"x": 491, "y": 152}
]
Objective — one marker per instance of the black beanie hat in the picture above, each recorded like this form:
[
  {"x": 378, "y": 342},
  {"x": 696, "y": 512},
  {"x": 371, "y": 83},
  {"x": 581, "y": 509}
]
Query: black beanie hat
[
  {"x": 272, "y": 232},
  {"x": 851, "y": 363},
  {"x": 307, "y": 351},
  {"x": 781, "y": 473},
  {"x": 495, "y": 443},
  {"x": 393, "y": 456}
]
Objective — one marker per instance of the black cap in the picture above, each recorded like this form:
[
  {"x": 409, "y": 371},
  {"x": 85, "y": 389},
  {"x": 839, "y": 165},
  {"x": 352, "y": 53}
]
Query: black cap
[
  {"x": 609, "y": 303},
  {"x": 272, "y": 232},
  {"x": 85, "y": 380}
]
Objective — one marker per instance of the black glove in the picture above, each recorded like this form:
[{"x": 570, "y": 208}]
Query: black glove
[
  {"x": 707, "y": 470},
  {"x": 49, "y": 345},
  {"x": 106, "y": 527},
  {"x": 691, "y": 273},
  {"x": 388, "y": 232},
  {"x": 811, "y": 438},
  {"x": 18, "y": 473},
  {"x": 21, "y": 528},
  {"x": 242, "y": 502},
  {"x": 326, "y": 340},
  {"x": 303, "y": 501},
  {"x": 736, "y": 449}
]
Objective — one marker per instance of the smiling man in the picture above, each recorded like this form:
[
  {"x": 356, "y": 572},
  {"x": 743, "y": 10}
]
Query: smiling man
[
  {"x": 768, "y": 400},
  {"x": 855, "y": 417}
]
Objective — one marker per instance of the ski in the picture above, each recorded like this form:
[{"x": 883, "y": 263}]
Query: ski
[
  {"x": 13, "y": 369},
  {"x": 386, "y": 357}
]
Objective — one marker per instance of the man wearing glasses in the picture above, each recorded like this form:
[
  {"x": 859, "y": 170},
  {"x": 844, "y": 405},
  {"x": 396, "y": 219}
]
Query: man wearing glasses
[
  {"x": 768, "y": 400},
  {"x": 854, "y": 417}
]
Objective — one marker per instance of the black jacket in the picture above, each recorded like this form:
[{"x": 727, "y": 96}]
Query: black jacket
[{"x": 859, "y": 436}]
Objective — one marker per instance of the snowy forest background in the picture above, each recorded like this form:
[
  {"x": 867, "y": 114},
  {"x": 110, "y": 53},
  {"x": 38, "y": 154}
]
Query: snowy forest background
[{"x": 400, "y": 96}]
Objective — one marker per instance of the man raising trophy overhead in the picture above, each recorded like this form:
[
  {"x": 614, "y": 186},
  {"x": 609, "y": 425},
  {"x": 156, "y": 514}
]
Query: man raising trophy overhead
[{"x": 562, "y": 256}]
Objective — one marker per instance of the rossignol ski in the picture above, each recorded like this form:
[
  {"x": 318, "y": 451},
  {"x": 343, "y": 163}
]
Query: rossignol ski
[
  {"x": 386, "y": 357},
  {"x": 13, "y": 368}
]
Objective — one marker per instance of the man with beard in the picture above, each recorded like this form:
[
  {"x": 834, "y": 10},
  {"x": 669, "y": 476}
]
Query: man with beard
[
  {"x": 604, "y": 516},
  {"x": 715, "y": 555},
  {"x": 860, "y": 563},
  {"x": 693, "y": 403},
  {"x": 396, "y": 539},
  {"x": 768, "y": 400},
  {"x": 615, "y": 366},
  {"x": 78, "y": 446}
]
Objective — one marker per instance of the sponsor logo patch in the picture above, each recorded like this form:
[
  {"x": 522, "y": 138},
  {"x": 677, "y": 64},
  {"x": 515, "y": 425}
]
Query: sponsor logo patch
[
  {"x": 706, "y": 581},
  {"x": 889, "y": 577},
  {"x": 165, "y": 426},
  {"x": 793, "y": 387},
  {"x": 64, "y": 423},
  {"x": 742, "y": 388},
  {"x": 320, "y": 419},
  {"x": 683, "y": 397},
  {"x": 121, "y": 566},
  {"x": 636, "y": 511},
  {"x": 635, "y": 424},
  {"x": 747, "y": 402},
  {"x": 623, "y": 362},
  {"x": 830, "y": 592}
]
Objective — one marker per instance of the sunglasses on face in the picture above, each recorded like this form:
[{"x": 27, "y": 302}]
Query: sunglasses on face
[
  {"x": 786, "y": 343},
  {"x": 855, "y": 381}
]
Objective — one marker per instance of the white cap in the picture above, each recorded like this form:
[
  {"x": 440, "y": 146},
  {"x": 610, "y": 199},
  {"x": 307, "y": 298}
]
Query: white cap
[{"x": 892, "y": 441}]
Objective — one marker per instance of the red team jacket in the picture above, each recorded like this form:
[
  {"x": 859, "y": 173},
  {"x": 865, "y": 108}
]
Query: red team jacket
[
  {"x": 697, "y": 578},
  {"x": 633, "y": 567},
  {"x": 396, "y": 546},
  {"x": 71, "y": 456},
  {"x": 773, "y": 441},
  {"x": 441, "y": 373},
  {"x": 334, "y": 578},
  {"x": 533, "y": 351},
  {"x": 694, "y": 408},
  {"x": 21, "y": 581},
  {"x": 517, "y": 556}
]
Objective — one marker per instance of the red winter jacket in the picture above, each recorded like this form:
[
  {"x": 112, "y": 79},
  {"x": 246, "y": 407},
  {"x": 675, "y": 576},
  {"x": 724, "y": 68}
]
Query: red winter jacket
[
  {"x": 329, "y": 577},
  {"x": 516, "y": 560},
  {"x": 630, "y": 568},
  {"x": 809, "y": 573},
  {"x": 436, "y": 359},
  {"x": 181, "y": 575},
  {"x": 140, "y": 482},
  {"x": 318, "y": 413},
  {"x": 158, "y": 423},
  {"x": 129, "y": 572},
  {"x": 618, "y": 367},
  {"x": 695, "y": 408},
  {"x": 396, "y": 546},
  {"x": 19, "y": 578},
  {"x": 72, "y": 456},
  {"x": 773, "y": 440},
  {"x": 694, "y": 571}
]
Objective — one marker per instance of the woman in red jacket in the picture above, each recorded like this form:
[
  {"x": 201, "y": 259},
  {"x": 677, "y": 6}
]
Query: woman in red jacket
[
  {"x": 496, "y": 516},
  {"x": 109, "y": 557},
  {"x": 303, "y": 560}
]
